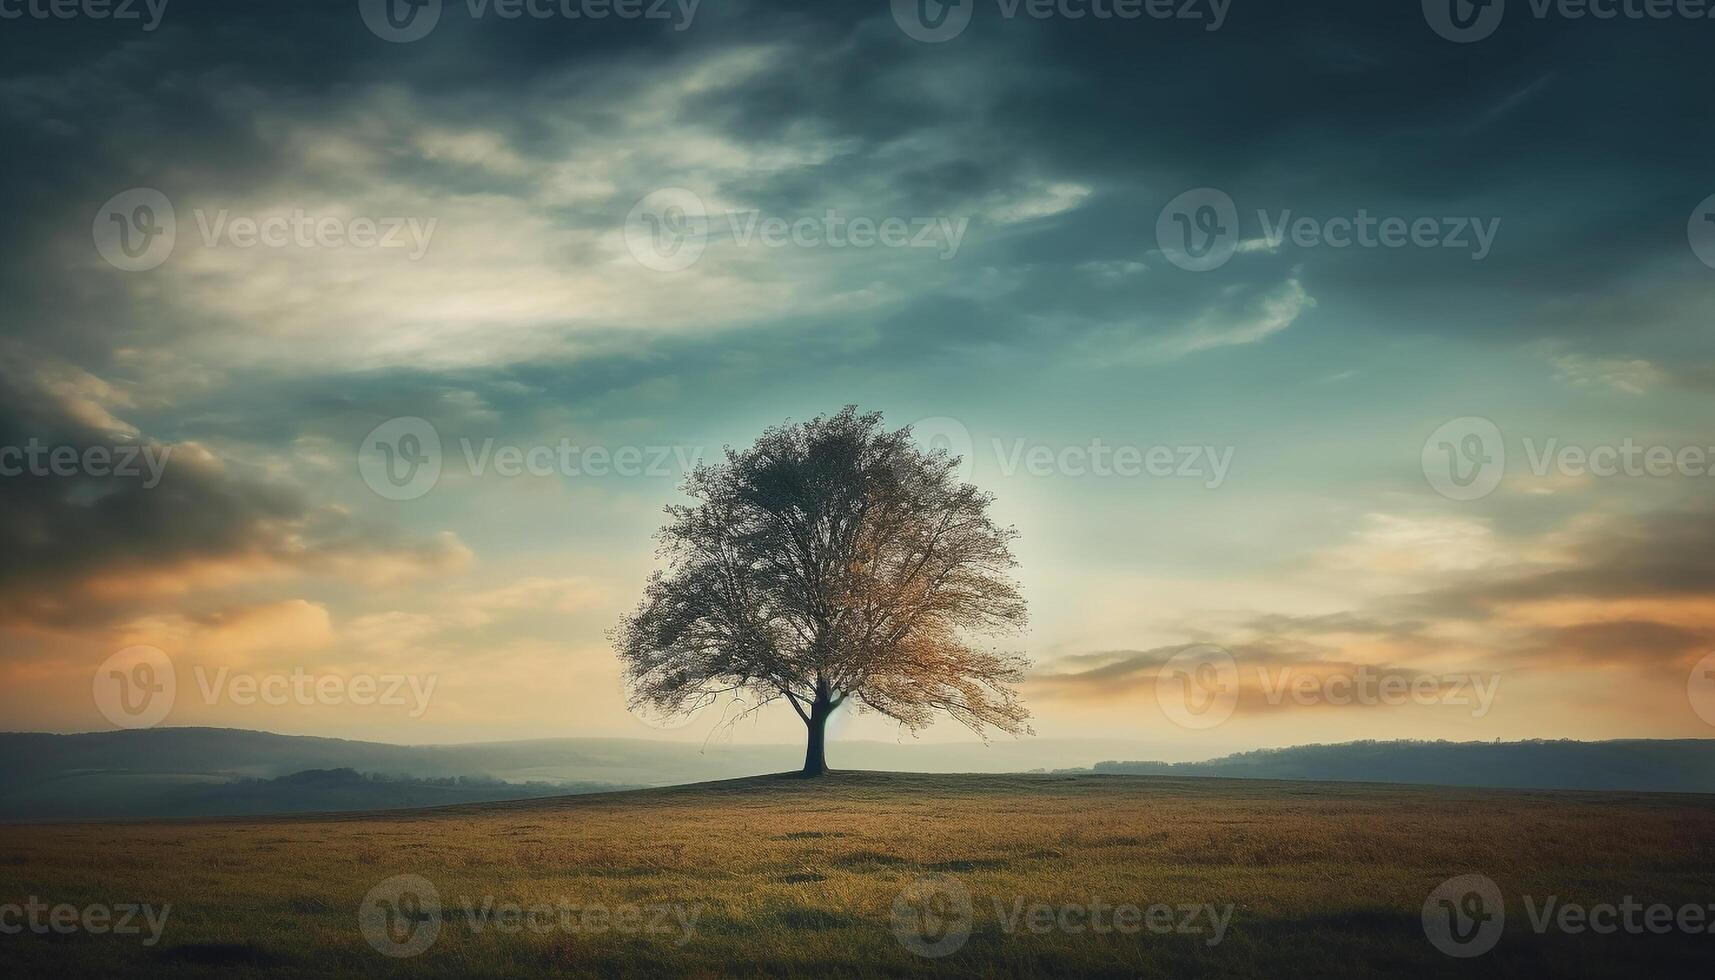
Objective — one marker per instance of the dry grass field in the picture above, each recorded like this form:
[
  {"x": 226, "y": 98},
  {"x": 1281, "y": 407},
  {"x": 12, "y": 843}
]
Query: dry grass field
[{"x": 776, "y": 876}]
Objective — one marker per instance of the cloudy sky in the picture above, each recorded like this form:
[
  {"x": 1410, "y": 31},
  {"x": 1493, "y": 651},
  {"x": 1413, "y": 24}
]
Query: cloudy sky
[{"x": 1414, "y": 383}]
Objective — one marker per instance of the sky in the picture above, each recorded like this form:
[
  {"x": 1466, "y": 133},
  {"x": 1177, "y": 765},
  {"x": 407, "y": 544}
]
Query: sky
[{"x": 1345, "y": 374}]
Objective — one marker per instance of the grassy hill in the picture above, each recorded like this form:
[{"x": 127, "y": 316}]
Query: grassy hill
[
  {"x": 863, "y": 873},
  {"x": 1685, "y": 765}
]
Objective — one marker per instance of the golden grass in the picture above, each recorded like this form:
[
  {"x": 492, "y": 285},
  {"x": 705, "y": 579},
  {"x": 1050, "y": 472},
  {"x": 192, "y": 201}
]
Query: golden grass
[{"x": 792, "y": 877}]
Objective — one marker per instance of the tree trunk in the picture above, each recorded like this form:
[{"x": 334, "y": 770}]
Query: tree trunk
[{"x": 815, "y": 753}]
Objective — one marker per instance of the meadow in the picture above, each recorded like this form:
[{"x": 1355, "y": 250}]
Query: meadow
[{"x": 873, "y": 874}]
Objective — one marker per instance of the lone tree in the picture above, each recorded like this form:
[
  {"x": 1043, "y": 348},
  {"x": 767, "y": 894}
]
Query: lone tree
[{"x": 831, "y": 561}]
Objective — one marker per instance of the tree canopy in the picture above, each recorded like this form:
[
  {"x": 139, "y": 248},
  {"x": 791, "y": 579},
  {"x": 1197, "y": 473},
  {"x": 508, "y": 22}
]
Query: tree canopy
[{"x": 832, "y": 561}]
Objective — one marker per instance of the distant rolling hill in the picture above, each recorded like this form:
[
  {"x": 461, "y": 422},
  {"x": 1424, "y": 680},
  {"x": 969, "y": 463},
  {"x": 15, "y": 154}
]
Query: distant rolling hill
[
  {"x": 220, "y": 771},
  {"x": 215, "y": 772},
  {"x": 186, "y": 772},
  {"x": 1659, "y": 765}
]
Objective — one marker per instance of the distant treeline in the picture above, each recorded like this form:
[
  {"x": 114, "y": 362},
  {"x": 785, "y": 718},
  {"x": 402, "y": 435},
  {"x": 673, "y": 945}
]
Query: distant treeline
[
  {"x": 109, "y": 794},
  {"x": 1678, "y": 765},
  {"x": 317, "y": 790}
]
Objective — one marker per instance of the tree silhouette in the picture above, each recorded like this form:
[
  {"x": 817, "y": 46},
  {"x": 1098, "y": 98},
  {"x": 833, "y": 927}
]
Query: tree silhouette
[{"x": 832, "y": 561}]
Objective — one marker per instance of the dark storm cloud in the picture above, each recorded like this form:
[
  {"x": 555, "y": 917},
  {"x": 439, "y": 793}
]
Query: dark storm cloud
[
  {"x": 1632, "y": 642},
  {"x": 1116, "y": 672},
  {"x": 1265, "y": 676},
  {"x": 84, "y": 537},
  {"x": 1665, "y": 554},
  {"x": 1338, "y": 623},
  {"x": 1060, "y": 140},
  {"x": 1573, "y": 134},
  {"x": 1630, "y": 591}
]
